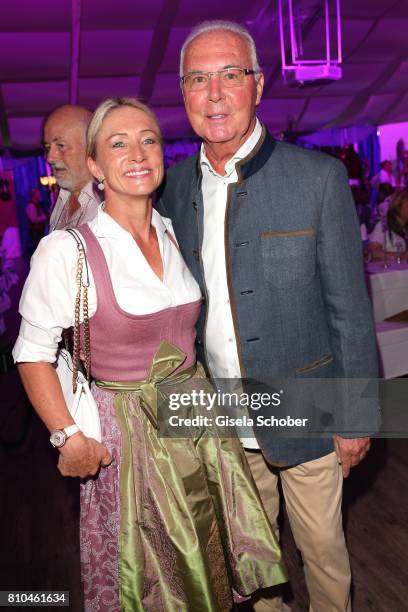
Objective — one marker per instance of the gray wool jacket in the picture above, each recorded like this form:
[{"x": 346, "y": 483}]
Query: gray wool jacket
[{"x": 295, "y": 278}]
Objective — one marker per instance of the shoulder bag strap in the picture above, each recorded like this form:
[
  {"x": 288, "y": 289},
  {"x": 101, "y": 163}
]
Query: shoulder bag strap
[{"x": 82, "y": 281}]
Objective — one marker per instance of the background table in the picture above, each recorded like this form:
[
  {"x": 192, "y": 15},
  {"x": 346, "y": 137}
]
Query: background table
[
  {"x": 388, "y": 288},
  {"x": 392, "y": 341}
]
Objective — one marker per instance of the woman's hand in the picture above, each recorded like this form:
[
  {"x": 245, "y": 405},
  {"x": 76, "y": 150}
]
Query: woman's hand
[{"x": 82, "y": 456}]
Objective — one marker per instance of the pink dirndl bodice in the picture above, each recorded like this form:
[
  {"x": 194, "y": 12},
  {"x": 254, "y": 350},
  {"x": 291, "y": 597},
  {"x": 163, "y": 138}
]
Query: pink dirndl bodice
[{"x": 123, "y": 344}]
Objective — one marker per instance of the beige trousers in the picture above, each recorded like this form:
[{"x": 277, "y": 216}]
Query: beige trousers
[{"x": 313, "y": 495}]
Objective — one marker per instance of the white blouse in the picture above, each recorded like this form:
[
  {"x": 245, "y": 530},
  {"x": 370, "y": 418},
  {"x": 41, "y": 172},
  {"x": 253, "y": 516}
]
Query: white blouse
[
  {"x": 391, "y": 243},
  {"x": 48, "y": 298}
]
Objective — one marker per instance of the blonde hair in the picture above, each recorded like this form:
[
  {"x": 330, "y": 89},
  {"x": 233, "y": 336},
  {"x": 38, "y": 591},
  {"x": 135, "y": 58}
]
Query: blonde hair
[{"x": 104, "y": 109}]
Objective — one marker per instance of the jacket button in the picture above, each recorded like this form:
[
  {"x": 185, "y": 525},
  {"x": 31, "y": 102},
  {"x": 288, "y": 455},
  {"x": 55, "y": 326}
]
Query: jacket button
[
  {"x": 195, "y": 205},
  {"x": 195, "y": 253}
]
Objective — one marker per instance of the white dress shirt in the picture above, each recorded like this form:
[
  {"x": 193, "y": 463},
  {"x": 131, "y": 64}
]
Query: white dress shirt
[
  {"x": 221, "y": 345},
  {"x": 88, "y": 199},
  {"x": 383, "y": 177},
  {"x": 47, "y": 301}
]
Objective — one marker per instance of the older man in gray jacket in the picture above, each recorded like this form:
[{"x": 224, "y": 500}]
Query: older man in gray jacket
[{"x": 269, "y": 230}]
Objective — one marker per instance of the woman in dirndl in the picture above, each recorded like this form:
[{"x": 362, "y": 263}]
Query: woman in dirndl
[{"x": 167, "y": 524}]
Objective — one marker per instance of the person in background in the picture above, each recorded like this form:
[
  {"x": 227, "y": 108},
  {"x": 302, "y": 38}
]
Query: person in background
[
  {"x": 270, "y": 232},
  {"x": 352, "y": 161},
  {"x": 64, "y": 139},
  {"x": 36, "y": 217},
  {"x": 385, "y": 175},
  {"x": 389, "y": 239},
  {"x": 385, "y": 191}
]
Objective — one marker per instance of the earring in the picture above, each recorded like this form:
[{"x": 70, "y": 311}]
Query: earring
[{"x": 100, "y": 180}]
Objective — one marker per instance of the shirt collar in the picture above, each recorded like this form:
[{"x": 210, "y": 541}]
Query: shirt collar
[
  {"x": 242, "y": 152},
  {"x": 90, "y": 191},
  {"x": 104, "y": 226}
]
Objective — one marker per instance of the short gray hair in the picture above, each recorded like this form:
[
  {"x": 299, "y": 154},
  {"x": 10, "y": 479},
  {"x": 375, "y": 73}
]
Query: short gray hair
[
  {"x": 214, "y": 26},
  {"x": 104, "y": 109}
]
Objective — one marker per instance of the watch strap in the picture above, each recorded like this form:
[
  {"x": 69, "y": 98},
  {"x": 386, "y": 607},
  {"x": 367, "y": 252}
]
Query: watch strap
[{"x": 71, "y": 430}]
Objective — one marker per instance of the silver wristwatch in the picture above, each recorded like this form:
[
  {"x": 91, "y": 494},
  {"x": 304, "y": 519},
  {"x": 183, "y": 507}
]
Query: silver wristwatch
[{"x": 60, "y": 436}]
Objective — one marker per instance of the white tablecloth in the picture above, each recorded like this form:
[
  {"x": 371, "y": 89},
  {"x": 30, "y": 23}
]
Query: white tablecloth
[
  {"x": 392, "y": 340},
  {"x": 388, "y": 288}
]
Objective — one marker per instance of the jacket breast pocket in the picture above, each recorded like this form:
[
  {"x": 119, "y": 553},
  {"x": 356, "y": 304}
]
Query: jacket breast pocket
[{"x": 289, "y": 258}]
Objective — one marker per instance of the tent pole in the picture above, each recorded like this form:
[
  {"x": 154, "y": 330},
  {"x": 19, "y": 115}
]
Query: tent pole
[
  {"x": 75, "y": 39},
  {"x": 4, "y": 124}
]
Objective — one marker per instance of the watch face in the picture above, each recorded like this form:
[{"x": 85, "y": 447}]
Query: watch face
[{"x": 58, "y": 438}]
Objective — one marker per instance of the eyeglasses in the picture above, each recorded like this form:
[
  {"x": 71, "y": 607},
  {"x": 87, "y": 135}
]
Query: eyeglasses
[{"x": 229, "y": 77}]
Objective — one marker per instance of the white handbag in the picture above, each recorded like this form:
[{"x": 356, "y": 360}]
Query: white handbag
[
  {"x": 81, "y": 404},
  {"x": 74, "y": 384}
]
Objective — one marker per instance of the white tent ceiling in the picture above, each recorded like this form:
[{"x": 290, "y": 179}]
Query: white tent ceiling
[{"x": 130, "y": 47}]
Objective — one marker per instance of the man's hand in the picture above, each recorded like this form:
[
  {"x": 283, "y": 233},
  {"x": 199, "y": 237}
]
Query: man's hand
[
  {"x": 81, "y": 456},
  {"x": 350, "y": 451}
]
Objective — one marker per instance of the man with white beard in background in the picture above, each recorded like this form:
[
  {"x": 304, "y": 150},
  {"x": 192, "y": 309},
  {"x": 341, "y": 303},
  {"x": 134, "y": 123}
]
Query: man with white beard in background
[{"x": 64, "y": 144}]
